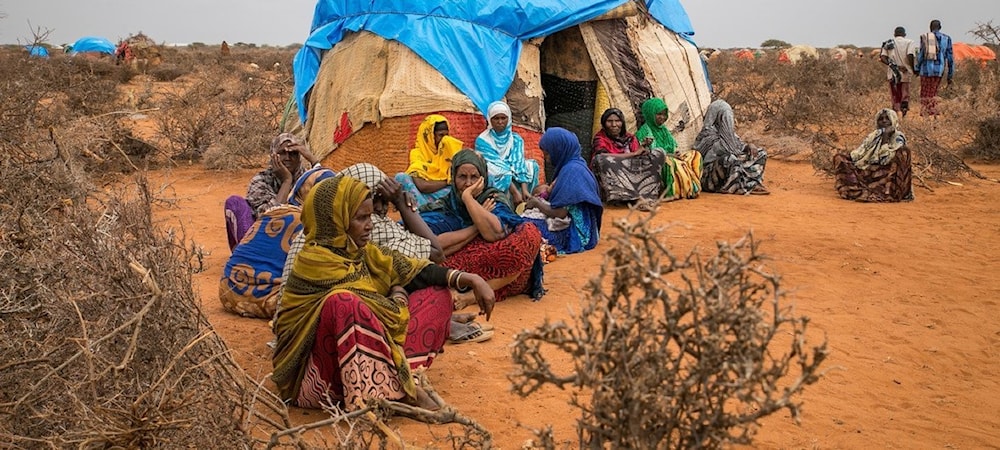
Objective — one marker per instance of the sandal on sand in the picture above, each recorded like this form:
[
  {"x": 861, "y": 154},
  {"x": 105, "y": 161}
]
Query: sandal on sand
[
  {"x": 482, "y": 326},
  {"x": 470, "y": 334},
  {"x": 759, "y": 190}
]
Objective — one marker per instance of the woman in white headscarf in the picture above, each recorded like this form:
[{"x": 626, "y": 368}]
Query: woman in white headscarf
[
  {"x": 879, "y": 169},
  {"x": 503, "y": 150},
  {"x": 729, "y": 166}
]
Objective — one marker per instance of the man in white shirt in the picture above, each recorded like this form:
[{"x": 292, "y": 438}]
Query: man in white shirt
[{"x": 900, "y": 54}]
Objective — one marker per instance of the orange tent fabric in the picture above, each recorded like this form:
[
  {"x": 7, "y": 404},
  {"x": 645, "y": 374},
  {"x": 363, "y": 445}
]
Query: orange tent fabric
[{"x": 974, "y": 52}]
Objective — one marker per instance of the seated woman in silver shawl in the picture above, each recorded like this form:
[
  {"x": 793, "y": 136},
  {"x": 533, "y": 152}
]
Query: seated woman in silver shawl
[{"x": 730, "y": 166}]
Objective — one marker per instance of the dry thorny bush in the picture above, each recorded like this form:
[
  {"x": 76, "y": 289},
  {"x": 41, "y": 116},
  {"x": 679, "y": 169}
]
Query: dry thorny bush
[
  {"x": 832, "y": 104},
  {"x": 104, "y": 342},
  {"x": 661, "y": 365}
]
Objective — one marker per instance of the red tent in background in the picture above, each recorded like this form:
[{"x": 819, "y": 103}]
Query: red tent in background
[
  {"x": 980, "y": 53},
  {"x": 744, "y": 54}
]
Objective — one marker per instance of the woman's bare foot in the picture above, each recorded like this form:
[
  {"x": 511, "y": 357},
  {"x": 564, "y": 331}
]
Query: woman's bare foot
[
  {"x": 462, "y": 299},
  {"x": 759, "y": 190}
]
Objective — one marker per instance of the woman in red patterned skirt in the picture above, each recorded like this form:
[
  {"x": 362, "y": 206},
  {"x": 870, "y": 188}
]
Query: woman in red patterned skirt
[
  {"x": 356, "y": 318},
  {"x": 480, "y": 233}
]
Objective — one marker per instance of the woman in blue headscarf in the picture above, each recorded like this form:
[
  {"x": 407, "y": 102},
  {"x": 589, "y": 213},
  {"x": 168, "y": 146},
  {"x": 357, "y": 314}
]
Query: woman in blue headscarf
[
  {"x": 570, "y": 217},
  {"x": 503, "y": 150}
]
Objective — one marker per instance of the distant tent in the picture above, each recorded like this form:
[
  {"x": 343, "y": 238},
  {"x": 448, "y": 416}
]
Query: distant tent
[
  {"x": 974, "y": 52},
  {"x": 389, "y": 63},
  {"x": 93, "y": 44},
  {"x": 37, "y": 51}
]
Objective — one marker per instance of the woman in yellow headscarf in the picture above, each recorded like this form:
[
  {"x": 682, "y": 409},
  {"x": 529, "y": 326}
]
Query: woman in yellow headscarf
[
  {"x": 356, "y": 318},
  {"x": 429, "y": 175}
]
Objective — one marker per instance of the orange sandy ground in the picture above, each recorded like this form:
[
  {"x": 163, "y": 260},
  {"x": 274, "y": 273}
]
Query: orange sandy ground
[{"x": 905, "y": 293}]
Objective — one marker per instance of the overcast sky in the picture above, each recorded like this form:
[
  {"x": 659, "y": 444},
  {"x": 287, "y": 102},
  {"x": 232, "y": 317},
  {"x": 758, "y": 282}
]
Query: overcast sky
[{"x": 719, "y": 23}]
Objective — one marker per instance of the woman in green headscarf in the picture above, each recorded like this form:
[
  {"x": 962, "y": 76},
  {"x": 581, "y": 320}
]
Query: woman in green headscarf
[
  {"x": 355, "y": 318},
  {"x": 682, "y": 170}
]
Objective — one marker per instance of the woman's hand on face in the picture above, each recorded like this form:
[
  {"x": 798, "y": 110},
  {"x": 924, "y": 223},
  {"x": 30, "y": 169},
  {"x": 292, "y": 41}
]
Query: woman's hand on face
[
  {"x": 473, "y": 191},
  {"x": 483, "y": 292},
  {"x": 279, "y": 168},
  {"x": 304, "y": 151}
]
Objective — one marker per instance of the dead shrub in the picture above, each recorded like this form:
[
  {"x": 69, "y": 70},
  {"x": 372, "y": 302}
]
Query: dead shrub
[
  {"x": 190, "y": 120},
  {"x": 105, "y": 345},
  {"x": 661, "y": 365},
  {"x": 986, "y": 146},
  {"x": 167, "y": 72},
  {"x": 256, "y": 108}
]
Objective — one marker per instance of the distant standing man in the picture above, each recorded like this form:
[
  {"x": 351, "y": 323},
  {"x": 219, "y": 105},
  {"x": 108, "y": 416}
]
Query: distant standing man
[
  {"x": 935, "y": 53},
  {"x": 900, "y": 54}
]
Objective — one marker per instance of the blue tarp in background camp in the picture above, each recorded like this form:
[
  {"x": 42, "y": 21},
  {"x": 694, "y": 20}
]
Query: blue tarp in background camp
[
  {"x": 37, "y": 51},
  {"x": 474, "y": 44},
  {"x": 93, "y": 44}
]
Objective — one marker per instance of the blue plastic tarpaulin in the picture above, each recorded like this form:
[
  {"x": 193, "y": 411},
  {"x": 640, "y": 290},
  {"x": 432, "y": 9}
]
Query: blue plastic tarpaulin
[
  {"x": 37, "y": 51},
  {"x": 475, "y": 44},
  {"x": 93, "y": 44}
]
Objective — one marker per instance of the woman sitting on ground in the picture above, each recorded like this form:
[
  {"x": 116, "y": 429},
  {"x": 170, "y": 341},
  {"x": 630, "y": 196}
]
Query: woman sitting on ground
[
  {"x": 269, "y": 188},
  {"x": 355, "y": 318},
  {"x": 430, "y": 161},
  {"x": 625, "y": 171},
  {"x": 730, "y": 165},
  {"x": 480, "y": 233},
  {"x": 879, "y": 169},
  {"x": 251, "y": 285},
  {"x": 503, "y": 149},
  {"x": 412, "y": 238},
  {"x": 251, "y": 280},
  {"x": 569, "y": 210},
  {"x": 682, "y": 171}
]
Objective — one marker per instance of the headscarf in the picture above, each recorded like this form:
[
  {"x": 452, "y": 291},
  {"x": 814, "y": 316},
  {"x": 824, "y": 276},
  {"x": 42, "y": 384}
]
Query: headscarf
[
  {"x": 872, "y": 150},
  {"x": 660, "y": 133},
  {"x": 624, "y": 142},
  {"x": 573, "y": 182},
  {"x": 329, "y": 263},
  {"x": 306, "y": 182},
  {"x": 718, "y": 136},
  {"x": 503, "y": 151},
  {"x": 453, "y": 204},
  {"x": 430, "y": 162},
  {"x": 367, "y": 173},
  {"x": 280, "y": 140}
]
